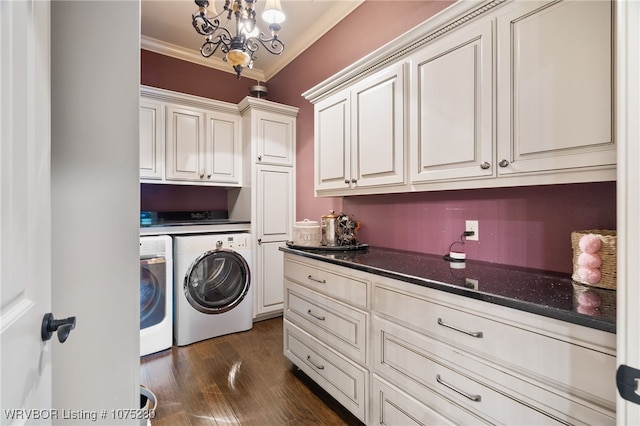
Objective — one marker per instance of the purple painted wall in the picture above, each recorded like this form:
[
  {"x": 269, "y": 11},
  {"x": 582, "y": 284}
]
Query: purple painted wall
[
  {"x": 526, "y": 226},
  {"x": 160, "y": 197}
]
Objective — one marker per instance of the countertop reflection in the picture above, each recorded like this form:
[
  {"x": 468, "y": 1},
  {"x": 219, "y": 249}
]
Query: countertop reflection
[{"x": 550, "y": 294}]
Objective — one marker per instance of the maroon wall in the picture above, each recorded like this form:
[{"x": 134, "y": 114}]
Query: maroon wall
[
  {"x": 185, "y": 77},
  {"x": 527, "y": 226}
]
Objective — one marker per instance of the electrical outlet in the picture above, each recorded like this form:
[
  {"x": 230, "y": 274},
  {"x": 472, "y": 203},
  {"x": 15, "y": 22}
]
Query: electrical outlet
[
  {"x": 472, "y": 226},
  {"x": 471, "y": 283}
]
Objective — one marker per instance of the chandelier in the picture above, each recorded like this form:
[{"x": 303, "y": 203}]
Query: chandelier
[{"x": 239, "y": 49}]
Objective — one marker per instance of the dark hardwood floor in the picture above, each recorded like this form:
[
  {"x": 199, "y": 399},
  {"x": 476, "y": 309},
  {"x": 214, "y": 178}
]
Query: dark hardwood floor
[{"x": 238, "y": 379}]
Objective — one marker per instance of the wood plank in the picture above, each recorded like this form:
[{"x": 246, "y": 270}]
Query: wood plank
[{"x": 237, "y": 379}]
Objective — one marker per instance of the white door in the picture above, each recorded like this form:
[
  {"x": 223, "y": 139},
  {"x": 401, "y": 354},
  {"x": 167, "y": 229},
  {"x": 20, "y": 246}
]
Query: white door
[
  {"x": 628, "y": 133},
  {"x": 25, "y": 206}
]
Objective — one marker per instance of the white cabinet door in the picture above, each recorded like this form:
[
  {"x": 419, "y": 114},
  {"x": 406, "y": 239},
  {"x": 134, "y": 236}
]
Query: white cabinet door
[
  {"x": 377, "y": 129},
  {"x": 360, "y": 136},
  {"x": 274, "y": 138},
  {"x": 223, "y": 148},
  {"x": 274, "y": 203},
  {"x": 185, "y": 144},
  {"x": 554, "y": 86},
  {"x": 274, "y": 222},
  {"x": 151, "y": 139},
  {"x": 333, "y": 143},
  {"x": 451, "y": 107},
  {"x": 269, "y": 278}
]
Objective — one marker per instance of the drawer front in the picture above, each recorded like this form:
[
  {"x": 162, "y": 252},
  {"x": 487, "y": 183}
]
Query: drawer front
[
  {"x": 345, "y": 381},
  {"x": 349, "y": 289},
  {"x": 552, "y": 362},
  {"x": 417, "y": 363},
  {"x": 338, "y": 325},
  {"x": 391, "y": 406}
]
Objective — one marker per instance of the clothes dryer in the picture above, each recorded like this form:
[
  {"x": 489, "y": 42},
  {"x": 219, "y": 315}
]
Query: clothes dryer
[
  {"x": 213, "y": 291},
  {"x": 156, "y": 294}
]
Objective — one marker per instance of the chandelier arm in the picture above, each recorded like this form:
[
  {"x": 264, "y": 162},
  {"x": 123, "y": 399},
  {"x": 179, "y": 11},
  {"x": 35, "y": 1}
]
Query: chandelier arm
[
  {"x": 273, "y": 44},
  {"x": 211, "y": 45}
]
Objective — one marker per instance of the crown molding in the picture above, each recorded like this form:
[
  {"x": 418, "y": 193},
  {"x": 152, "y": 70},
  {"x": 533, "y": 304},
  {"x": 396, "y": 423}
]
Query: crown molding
[
  {"x": 292, "y": 50},
  {"x": 178, "y": 52},
  {"x": 446, "y": 20}
]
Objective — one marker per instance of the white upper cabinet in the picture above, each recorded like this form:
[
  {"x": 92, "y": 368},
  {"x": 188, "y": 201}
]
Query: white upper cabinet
[
  {"x": 274, "y": 136},
  {"x": 185, "y": 144},
  {"x": 497, "y": 94},
  {"x": 333, "y": 143},
  {"x": 555, "y": 86},
  {"x": 151, "y": 139},
  {"x": 223, "y": 150},
  {"x": 451, "y": 106},
  {"x": 360, "y": 137},
  {"x": 189, "y": 140}
]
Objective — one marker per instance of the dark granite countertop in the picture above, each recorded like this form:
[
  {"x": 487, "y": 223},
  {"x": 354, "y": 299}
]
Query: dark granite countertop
[{"x": 550, "y": 294}]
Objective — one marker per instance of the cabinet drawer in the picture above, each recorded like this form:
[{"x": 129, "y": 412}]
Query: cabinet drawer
[
  {"x": 345, "y": 381},
  {"x": 553, "y": 363},
  {"x": 339, "y": 326},
  {"x": 418, "y": 363},
  {"x": 391, "y": 406},
  {"x": 342, "y": 287}
]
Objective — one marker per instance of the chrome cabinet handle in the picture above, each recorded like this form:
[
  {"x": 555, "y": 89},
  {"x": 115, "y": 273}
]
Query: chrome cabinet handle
[
  {"x": 314, "y": 315},
  {"x": 259, "y": 157},
  {"x": 319, "y": 367},
  {"x": 503, "y": 163},
  {"x": 476, "y": 398},
  {"x": 485, "y": 166},
  {"x": 209, "y": 176},
  {"x": 347, "y": 181},
  {"x": 201, "y": 175},
  {"x": 316, "y": 280},
  {"x": 354, "y": 181},
  {"x": 477, "y": 334},
  {"x": 259, "y": 240}
]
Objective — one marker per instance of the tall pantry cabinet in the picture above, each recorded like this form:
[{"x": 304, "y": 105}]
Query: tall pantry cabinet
[{"x": 267, "y": 197}]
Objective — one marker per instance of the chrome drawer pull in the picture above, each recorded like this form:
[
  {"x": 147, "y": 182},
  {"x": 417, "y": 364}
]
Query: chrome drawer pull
[
  {"x": 319, "y": 367},
  {"x": 315, "y": 316},
  {"x": 316, "y": 280},
  {"x": 476, "y": 398},
  {"x": 477, "y": 334}
]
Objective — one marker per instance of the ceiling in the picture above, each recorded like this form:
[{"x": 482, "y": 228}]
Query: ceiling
[{"x": 166, "y": 29}]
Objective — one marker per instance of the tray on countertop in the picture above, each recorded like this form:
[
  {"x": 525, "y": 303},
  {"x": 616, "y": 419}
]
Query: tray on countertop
[{"x": 353, "y": 247}]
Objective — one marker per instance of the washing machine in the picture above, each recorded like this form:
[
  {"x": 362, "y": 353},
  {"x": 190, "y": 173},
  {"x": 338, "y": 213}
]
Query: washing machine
[
  {"x": 212, "y": 283},
  {"x": 156, "y": 294}
]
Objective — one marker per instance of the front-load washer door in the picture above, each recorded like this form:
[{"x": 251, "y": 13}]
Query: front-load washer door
[
  {"x": 152, "y": 291},
  {"x": 217, "y": 281}
]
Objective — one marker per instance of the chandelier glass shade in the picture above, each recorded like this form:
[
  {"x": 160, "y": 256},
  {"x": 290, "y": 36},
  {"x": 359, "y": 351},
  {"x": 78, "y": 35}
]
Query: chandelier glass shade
[{"x": 239, "y": 47}]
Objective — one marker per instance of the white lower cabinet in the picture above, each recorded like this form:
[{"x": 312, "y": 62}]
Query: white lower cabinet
[
  {"x": 396, "y": 353},
  {"x": 343, "y": 379},
  {"x": 326, "y": 328},
  {"x": 392, "y": 406}
]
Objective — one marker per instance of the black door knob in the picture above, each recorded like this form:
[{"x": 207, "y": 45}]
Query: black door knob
[{"x": 51, "y": 325}]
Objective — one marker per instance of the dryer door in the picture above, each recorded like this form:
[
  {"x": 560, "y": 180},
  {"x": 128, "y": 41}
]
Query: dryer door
[
  {"x": 217, "y": 281},
  {"x": 153, "y": 272}
]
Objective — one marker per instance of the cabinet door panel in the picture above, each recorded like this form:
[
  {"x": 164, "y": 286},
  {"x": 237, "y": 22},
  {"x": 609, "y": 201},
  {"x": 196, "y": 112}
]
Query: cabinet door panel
[
  {"x": 275, "y": 136},
  {"x": 555, "y": 71},
  {"x": 223, "y": 151},
  {"x": 185, "y": 139},
  {"x": 274, "y": 203},
  {"x": 452, "y": 109},
  {"x": 377, "y": 139},
  {"x": 151, "y": 140},
  {"x": 332, "y": 143},
  {"x": 269, "y": 270}
]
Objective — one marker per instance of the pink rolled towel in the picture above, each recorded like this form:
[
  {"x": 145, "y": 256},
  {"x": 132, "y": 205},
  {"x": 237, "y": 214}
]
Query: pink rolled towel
[
  {"x": 589, "y": 275},
  {"x": 590, "y": 260},
  {"x": 590, "y": 243}
]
